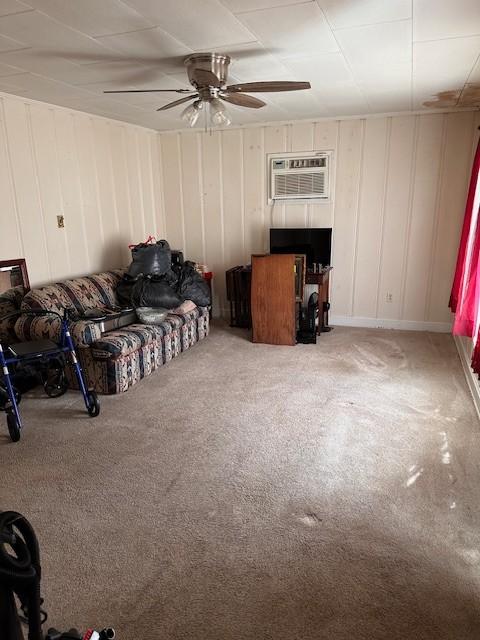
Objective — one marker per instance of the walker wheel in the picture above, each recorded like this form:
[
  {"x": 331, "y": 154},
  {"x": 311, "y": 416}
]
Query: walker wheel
[
  {"x": 5, "y": 400},
  {"x": 13, "y": 427},
  {"x": 56, "y": 383},
  {"x": 93, "y": 404}
]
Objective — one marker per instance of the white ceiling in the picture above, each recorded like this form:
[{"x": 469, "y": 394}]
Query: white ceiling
[{"x": 361, "y": 56}]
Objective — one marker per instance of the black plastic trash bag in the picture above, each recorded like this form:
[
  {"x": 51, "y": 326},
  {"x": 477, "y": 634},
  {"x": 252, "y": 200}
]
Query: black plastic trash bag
[
  {"x": 150, "y": 259},
  {"x": 191, "y": 285},
  {"x": 155, "y": 291},
  {"x": 149, "y": 291},
  {"x": 124, "y": 291}
]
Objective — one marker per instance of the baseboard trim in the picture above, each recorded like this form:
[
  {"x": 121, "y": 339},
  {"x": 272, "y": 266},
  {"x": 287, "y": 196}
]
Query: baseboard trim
[
  {"x": 472, "y": 379},
  {"x": 386, "y": 323},
  {"x": 374, "y": 323}
]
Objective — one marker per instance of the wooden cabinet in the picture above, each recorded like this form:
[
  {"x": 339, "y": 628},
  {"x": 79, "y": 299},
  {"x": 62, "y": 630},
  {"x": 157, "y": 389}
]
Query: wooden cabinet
[{"x": 273, "y": 299}]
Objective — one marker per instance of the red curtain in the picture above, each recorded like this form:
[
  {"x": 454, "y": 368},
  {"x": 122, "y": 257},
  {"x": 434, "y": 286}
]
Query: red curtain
[{"x": 465, "y": 296}]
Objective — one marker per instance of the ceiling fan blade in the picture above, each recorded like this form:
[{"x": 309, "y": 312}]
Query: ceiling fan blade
[
  {"x": 151, "y": 91},
  {"x": 243, "y": 100},
  {"x": 263, "y": 87},
  {"x": 167, "y": 64},
  {"x": 177, "y": 102},
  {"x": 204, "y": 77}
]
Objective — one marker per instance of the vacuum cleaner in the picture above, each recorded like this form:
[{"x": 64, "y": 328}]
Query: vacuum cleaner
[{"x": 20, "y": 575}]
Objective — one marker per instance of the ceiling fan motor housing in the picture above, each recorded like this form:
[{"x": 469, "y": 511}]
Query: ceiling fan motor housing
[{"x": 217, "y": 63}]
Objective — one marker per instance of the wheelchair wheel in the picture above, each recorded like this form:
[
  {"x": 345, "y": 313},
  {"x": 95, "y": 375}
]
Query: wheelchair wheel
[
  {"x": 56, "y": 383},
  {"x": 13, "y": 427},
  {"x": 93, "y": 404}
]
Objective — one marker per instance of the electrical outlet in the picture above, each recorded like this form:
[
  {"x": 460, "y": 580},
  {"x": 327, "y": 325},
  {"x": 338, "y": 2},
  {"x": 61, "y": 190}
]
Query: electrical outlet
[
  {"x": 60, "y": 222},
  {"x": 389, "y": 297}
]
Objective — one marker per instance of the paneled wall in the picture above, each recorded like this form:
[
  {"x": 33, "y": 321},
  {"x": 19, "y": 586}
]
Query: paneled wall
[
  {"x": 399, "y": 186},
  {"x": 102, "y": 175},
  {"x": 399, "y": 191}
]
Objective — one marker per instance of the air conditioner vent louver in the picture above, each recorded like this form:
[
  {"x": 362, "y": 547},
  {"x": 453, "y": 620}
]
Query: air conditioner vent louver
[
  {"x": 295, "y": 177},
  {"x": 300, "y": 184}
]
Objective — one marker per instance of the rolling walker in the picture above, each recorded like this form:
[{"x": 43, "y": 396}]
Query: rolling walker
[{"x": 55, "y": 383}]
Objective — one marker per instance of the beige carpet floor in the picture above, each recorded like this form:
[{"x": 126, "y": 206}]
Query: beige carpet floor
[{"x": 257, "y": 492}]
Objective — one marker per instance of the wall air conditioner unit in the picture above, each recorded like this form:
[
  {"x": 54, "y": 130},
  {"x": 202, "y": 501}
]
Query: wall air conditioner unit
[{"x": 299, "y": 176}]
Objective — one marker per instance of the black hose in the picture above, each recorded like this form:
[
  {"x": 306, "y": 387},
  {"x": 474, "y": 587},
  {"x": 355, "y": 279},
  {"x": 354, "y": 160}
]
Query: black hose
[{"x": 20, "y": 574}]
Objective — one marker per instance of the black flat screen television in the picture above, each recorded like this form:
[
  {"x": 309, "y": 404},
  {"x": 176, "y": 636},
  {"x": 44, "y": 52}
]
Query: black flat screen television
[{"x": 316, "y": 244}]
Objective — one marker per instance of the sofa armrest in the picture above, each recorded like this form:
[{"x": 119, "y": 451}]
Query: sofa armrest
[
  {"x": 85, "y": 332},
  {"x": 37, "y": 327},
  {"x": 48, "y": 326},
  {"x": 7, "y": 329}
]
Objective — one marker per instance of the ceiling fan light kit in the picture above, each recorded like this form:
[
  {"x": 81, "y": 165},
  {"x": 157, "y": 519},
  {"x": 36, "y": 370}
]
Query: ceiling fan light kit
[
  {"x": 207, "y": 73},
  {"x": 191, "y": 113},
  {"x": 218, "y": 114}
]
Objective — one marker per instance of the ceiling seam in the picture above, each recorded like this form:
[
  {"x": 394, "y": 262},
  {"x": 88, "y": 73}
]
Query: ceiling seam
[
  {"x": 371, "y": 24},
  {"x": 472, "y": 35},
  {"x": 347, "y": 62},
  {"x": 278, "y": 6},
  {"x": 411, "y": 60}
]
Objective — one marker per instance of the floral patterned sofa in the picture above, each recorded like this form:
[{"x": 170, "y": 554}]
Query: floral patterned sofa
[
  {"x": 10, "y": 303},
  {"x": 115, "y": 360}
]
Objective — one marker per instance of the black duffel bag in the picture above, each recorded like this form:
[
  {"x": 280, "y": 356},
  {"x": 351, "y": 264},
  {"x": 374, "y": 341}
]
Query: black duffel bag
[
  {"x": 150, "y": 259},
  {"x": 191, "y": 285}
]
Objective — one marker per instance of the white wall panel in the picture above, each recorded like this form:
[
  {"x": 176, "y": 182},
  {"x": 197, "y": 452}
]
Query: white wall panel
[
  {"x": 121, "y": 190},
  {"x": 232, "y": 193},
  {"x": 370, "y": 216},
  {"x": 400, "y": 172},
  {"x": 325, "y": 138},
  {"x": 87, "y": 173},
  {"x": 111, "y": 250},
  {"x": 398, "y": 194},
  {"x": 49, "y": 184},
  {"x": 97, "y": 173},
  {"x": 172, "y": 190},
  {"x": 254, "y": 197},
  {"x": 191, "y": 192},
  {"x": 10, "y": 236},
  {"x": 452, "y": 195},
  {"x": 212, "y": 202},
  {"x": 275, "y": 141},
  {"x": 135, "y": 186},
  {"x": 146, "y": 182},
  {"x": 346, "y": 199},
  {"x": 25, "y": 182},
  {"x": 423, "y": 215}
]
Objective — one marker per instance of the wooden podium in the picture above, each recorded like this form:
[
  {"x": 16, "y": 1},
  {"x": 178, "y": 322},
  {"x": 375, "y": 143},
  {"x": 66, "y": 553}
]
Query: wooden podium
[{"x": 274, "y": 297}]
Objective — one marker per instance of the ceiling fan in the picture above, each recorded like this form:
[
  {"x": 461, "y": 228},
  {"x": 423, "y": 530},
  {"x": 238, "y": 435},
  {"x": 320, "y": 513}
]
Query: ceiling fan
[{"x": 207, "y": 73}]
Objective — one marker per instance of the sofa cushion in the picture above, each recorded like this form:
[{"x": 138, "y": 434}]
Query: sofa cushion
[
  {"x": 28, "y": 327},
  {"x": 122, "y": 342},
  {"x": 78, "y": 294},
  {"x": 50, "y": 298}
]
